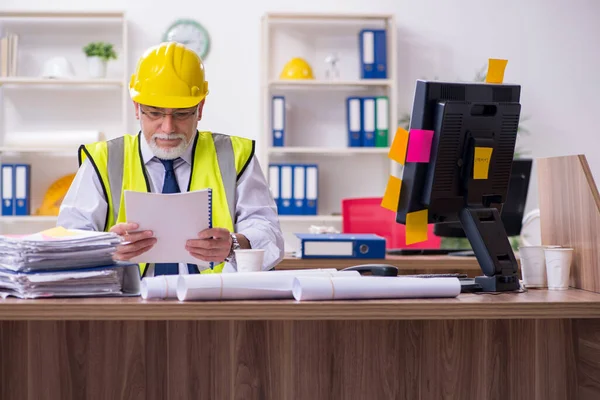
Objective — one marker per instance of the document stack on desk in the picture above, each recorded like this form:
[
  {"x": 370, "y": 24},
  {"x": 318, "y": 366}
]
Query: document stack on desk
[{"x": 63, "y": 262}]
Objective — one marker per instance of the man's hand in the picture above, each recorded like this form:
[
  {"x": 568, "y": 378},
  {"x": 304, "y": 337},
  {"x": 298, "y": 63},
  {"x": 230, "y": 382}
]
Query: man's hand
[
  {"x": 136, "y": 243},
  {"x": 212, "y": 245}
]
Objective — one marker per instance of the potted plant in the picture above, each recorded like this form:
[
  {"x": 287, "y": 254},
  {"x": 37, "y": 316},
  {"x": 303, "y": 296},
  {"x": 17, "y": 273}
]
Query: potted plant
[{"x": 98, "y": 54}]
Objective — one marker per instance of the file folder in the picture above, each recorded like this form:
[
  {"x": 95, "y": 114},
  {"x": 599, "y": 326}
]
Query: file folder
[
  {"x": 22, "y": 189},
  {"x": 8, "y": 186},
  {"x": 341, "y": 245},
  {"x": 274, "y": 183},
  {"x": 368, "y": 122},
  {"x": 312, "y": 189},
  {"x": 373, "y": 54},
  {"x": 299, "y": 195},
  {"x": 278, "y": 121},
  {"x": 286, "y": 176},
  {"x": 367, "y": 54},
  {"x": 380, "y": 54},
  {"x": 354, "y": 121},
  {"x": 382, "y": 122}
]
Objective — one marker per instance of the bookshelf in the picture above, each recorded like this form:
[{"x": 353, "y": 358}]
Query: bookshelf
[
  {"x": 31, "y": 103},
  {"x": 315, "y": 112}
]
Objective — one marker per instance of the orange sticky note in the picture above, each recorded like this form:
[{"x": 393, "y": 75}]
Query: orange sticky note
[
  {"x": 416, "y": 227},
  {"x": 399, "y": 146},
  {"x": 481, "y": 162},
  {"x": 392, "y": 194},
  {"x": 496, "y": 68}
]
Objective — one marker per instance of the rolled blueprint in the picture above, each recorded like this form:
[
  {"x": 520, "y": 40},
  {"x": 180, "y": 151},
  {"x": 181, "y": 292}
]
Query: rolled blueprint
[
  {"x": 247, "y": 285},
  {"x": 159, "y": 287},
  {"x": 372, "y": 287}
]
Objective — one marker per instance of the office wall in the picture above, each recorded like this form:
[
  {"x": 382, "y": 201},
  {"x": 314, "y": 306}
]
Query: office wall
[{"x": 550, "y": 45}]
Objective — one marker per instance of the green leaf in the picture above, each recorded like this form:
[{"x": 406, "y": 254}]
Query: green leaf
[{"x": 100, "y": 49}]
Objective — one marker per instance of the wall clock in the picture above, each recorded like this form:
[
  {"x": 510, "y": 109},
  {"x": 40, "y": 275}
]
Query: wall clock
[{"x": 191, "y": 34}]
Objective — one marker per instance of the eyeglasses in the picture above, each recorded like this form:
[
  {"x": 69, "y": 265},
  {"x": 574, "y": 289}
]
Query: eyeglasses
[{"x": 177, "y": 116}]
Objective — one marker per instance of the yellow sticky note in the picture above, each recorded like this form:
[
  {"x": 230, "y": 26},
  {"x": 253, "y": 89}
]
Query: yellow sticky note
[
  {"x": 416, "y": 227},
  {"x": 496, "y": 69},
  {"x": 58, "y": 232},
  {"x": 392, "y": 194},
  {"x": 481, "y": 165},
  {"x": 399, "y": 145}
]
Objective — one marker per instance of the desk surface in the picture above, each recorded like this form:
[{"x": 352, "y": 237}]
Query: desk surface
[
  {"x": 433, "y": 263},
  {"x": 573, "y": 303}
]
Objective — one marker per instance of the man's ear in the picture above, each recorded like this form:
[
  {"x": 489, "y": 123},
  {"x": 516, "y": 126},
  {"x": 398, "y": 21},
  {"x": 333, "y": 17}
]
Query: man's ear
[
  {"x": 200, "y": 107},
  {"x": 137, "y": 110}
]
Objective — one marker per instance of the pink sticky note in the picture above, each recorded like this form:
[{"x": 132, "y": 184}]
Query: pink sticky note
[{"x": 419, "y": 145}]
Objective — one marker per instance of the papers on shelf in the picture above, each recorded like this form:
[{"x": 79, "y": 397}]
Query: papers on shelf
[{"x": 64, "y": 262}]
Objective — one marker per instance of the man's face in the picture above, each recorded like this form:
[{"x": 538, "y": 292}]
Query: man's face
[{"x": 168, "y": 131}]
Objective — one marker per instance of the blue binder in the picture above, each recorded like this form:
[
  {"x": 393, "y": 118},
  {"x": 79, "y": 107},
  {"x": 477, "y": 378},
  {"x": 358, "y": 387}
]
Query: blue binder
[
  {"x": 22, "y": 191},
  {"x": 275, "y": 183},
  {"x": 8, "y": 189},
  {"x": 373, "y": 53},
  {"x": 312, "y": 190},
  {"x": 278, "y": 121},
  {"x": 341, "y": 245},
  {"x": 368, "y": 121},
  {"x": 299, "y": 194},
  {"x": 354, "y": 121},
  {"x": 286, "y": 179}
]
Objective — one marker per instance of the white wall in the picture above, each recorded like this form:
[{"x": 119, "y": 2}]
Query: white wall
[{"x": 550, "y": 45}]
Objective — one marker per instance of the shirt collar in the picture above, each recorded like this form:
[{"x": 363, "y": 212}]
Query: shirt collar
[{"x": 147, "y": 154}]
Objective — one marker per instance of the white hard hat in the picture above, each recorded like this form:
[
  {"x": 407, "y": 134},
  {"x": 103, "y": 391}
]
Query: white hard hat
[{"x": 58, "y": 67}]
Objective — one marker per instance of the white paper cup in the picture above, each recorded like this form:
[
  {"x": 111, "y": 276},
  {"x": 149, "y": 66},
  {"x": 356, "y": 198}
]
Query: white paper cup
[
  {"x": 533, "y": 266},
  {"x": 249, "y": 260},
  {"x": 558, "y": 267}
]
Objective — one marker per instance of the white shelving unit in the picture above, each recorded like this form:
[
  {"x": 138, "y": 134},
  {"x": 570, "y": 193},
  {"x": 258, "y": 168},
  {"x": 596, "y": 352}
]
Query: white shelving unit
[
  {"x": 315, "y": 128},
  {"x": 31, "y": 103}
]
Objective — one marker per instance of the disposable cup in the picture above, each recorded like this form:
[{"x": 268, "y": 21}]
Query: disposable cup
[
  {"x": 533, "y": 266},
  {"x": 249, "y": 260},
  {"x": 558, "y": 267}
]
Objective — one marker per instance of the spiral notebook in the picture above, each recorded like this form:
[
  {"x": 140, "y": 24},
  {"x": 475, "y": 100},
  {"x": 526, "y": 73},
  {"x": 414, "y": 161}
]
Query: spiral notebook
[{"x": 174, "y": 218}]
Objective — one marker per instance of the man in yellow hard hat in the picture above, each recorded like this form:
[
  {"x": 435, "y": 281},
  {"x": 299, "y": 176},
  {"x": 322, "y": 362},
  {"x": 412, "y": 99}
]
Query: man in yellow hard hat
[{"x": 170, "y": 155}]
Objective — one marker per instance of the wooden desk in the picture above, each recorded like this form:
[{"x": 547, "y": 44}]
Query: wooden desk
[
  {"x": 534, "y": 345},
  {"x": 406, "y": 264}
]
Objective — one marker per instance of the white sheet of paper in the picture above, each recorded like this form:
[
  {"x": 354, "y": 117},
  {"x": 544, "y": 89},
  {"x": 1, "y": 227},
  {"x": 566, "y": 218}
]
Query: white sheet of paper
[{"x": 174, "y": 218}]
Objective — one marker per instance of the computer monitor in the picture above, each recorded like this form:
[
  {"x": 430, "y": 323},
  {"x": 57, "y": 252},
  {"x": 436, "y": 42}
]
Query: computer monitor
[
  {"x": 513, "y": 209},
  {"x": 463, "y": 117}
]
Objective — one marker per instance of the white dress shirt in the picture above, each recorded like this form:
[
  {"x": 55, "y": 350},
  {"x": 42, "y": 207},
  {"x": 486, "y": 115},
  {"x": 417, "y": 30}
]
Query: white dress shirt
[{"x": 84, "y": 206}]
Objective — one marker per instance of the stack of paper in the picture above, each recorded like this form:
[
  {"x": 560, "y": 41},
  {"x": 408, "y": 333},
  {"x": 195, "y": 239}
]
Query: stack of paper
[{"x": 63, "y": 262}]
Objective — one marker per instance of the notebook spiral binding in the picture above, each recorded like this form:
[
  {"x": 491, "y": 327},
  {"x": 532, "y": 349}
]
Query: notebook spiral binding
[{"x": 210, "y": 221}]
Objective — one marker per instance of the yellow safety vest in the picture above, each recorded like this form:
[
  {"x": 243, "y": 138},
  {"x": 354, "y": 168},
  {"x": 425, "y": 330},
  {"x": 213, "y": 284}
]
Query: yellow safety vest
[{"x": 217, "y": 162}]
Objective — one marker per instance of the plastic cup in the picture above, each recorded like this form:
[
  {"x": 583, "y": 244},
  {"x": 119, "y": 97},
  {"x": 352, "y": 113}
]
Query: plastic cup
[
  {"x": 249, "y": 260},
  {"x": 558, "y": 267},
  {"x": 533, "y": 266}
]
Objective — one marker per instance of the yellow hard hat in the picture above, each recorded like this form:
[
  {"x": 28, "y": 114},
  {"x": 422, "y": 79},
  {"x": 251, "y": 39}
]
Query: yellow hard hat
[
  {"x": 169, "y": 75},
  {"x": 297, "y": 68}
]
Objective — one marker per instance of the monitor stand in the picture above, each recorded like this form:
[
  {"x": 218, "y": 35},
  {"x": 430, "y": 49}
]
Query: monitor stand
[{"x": 485, "y": 231}]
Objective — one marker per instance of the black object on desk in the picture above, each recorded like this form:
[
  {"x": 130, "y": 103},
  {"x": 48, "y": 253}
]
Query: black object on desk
[
  {"x": 466, "y": 175},
  {"x": 375, "y": 269}
]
